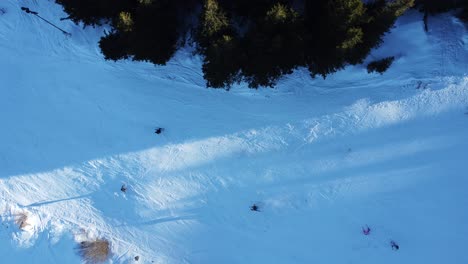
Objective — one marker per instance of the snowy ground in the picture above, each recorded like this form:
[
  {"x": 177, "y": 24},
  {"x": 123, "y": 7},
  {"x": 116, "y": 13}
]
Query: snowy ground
[{"x": 322, "y": 158}]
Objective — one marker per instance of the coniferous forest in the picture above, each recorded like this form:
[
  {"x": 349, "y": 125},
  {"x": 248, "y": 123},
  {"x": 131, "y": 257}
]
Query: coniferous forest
[{"x": 242, "y": 40}]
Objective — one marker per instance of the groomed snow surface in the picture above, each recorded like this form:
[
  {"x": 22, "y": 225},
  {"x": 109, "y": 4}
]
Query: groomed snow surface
[{"x": 321, "y": 158}]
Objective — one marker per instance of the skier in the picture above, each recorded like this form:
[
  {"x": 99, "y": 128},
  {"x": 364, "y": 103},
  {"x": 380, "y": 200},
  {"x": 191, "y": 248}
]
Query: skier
[
  {"x": 158, "y": 130},
  {"x": 366, "y": 230},
  {"x": 254, "y": 207},
  {"x": 394, "y": 245}
]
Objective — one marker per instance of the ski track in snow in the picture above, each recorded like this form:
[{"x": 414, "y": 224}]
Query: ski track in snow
[{"x": 324, "y": 171}]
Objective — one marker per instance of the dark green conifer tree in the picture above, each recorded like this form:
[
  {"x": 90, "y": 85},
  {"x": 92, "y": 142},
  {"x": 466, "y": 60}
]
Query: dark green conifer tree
[
  {"x": 254, "y": 41},
  {"x": 334, "y": 29},
  {"x": 93, "y": 12},
  {"x": 273, "y": 46},
  {"x": 218, "y": 43}
]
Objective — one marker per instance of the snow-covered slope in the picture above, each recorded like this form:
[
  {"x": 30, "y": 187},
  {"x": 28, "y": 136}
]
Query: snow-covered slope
[{"x": 321, "y": 158}]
